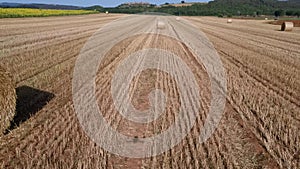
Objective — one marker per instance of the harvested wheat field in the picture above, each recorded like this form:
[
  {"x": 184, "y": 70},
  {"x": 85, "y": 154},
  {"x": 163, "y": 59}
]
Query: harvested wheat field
[
  {"x": 7, "y": 99},
  {"x": 259, "y": 127}
]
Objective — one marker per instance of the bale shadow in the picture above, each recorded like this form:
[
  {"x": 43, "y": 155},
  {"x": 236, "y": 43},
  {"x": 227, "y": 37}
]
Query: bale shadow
[{"x": 29, "y": 102}]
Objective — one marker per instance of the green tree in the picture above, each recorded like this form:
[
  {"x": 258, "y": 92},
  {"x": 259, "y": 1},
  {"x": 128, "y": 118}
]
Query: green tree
[
  {"x": 279, "y": 13},
  {"x": 297, "y": 14},
  {"x": 290, "y": 13}
]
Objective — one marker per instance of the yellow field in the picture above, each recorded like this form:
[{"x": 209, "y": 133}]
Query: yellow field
[{"x": 26, "y": 12}]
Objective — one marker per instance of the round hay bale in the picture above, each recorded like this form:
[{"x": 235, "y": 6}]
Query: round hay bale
[
  {"x": 229, "y": 21},
  {"x": 177, "y": 18},
  {"x": 266, "y": 19},
  {"x": 107, "y": 12},
  {"x": 7, "y": 100},
  {"x": 287, "y": 26},
  {"x": 161, "y": 25}
]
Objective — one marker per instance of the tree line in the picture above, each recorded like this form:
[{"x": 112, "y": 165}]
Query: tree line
[{"x": 220, "y": 8}]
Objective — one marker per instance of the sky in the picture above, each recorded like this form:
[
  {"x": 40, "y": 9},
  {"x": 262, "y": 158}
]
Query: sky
[{"x": 105, "y": 3}]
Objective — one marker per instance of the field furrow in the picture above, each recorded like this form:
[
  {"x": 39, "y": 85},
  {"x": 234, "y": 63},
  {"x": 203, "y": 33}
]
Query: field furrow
[{"x": 261, "y": 120}]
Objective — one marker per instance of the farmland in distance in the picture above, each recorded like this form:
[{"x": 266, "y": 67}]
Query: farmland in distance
[{"x": 27, "y": 12}]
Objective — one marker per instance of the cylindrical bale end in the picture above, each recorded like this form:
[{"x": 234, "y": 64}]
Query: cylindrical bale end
[
  {"x": 229, "y": 21},
  {"x": 161, "y": 25},
  {"x": 7, "y": 100},
  {"x": 287, "y": 26}
]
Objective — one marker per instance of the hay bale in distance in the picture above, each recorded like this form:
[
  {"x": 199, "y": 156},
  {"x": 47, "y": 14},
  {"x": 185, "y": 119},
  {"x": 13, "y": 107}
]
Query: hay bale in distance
[
  {"x": 287, "y": 26},
  {"x": 177, "y": 18},
  {"x": 229, "y": 21},
  {"x": 161, "y": 25},
  {"x": 7, "y": 100}
]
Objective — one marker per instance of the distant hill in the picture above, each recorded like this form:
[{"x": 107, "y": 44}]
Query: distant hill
[
  {"x": 136, "y": 5},
  {"x": 290, "y": 4},
  {"x": 183, "y": 4},
  {"x": 259, "y": 3},
  {"x": 236, "y": 7},
  {"x": 38, "y": 6},
  {"x": 253, "y": 7},
  {"x": 212, "y": 8},
  {"x": 95, "y": 7},
  {"x": 217, "y": 8}
]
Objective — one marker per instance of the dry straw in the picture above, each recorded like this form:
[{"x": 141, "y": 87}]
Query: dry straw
[
  {"x": 229, "y": 21},
  {"x": 287, "y": 26},
  {"x": 7, "y": 100},
  {"x": 161, "y": 25}
]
